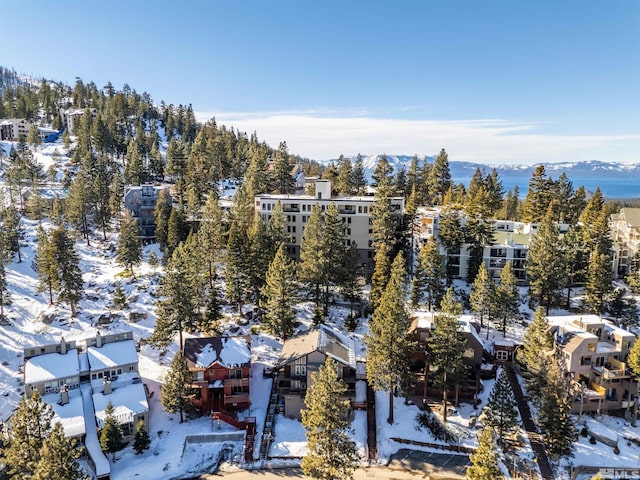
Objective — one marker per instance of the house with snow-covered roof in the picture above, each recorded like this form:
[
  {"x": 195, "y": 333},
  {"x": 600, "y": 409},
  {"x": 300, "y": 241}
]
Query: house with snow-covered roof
[
  {"x": 112, "y": 355},
  {"x": 221, "y": 371},
  {"x": 303, "y": 355},
  {"x": 48, "y": 368}
]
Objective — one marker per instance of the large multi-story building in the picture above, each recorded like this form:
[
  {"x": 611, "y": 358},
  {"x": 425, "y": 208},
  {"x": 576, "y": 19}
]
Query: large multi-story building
[
  {"x": 140, "y": 201},
  {"x": 11, "y": 129},
  {"x": 625, "y": 233},
  {"x": 354, "y": 211},
  {"x": 594, "y": 352}
]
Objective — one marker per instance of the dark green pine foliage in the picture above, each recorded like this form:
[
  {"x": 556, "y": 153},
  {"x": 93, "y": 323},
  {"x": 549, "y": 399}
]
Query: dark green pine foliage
[
  {"x": 119, "y": 299},
  {"x": 554, "y": 415},
  {"x": 237, "y": 275},
  {"x": 5, "y": 257},
  {"x": 260, "y": 256},
  {"x": 380, "y": 276},
  {"x": 388, "y": 344},
  {"x": 429, "y": 276},
  {"x": 439, "y": 179},
  {"x": 129, "y": 253},
  {"x": 58, "y": 457},
  {"x": 501, "y": 412},
  {"x": 30, "y": 426},
  {"x": 211, "y": 236},
  {"x": 181, "y": 290},
  {"x": 162, "y": 214},
  {"x": 537, "y": 349},
  {"x": 67, "y": 281},
  {"x": 335, "y": 248},
  {"x": 451, "y": 238},
  {"x": 634, "y": 359},
  {"x": 350, "y": 279},
  {"x": 507, "y": 298},
  {"x": 358, "y": 179},
  {"x": 332, "y": 454},
  {"x": 482, "y": 297},
  {"x": 282, "y": 180},
  {"x": 78, "y": 202},
  {"x": 45, "y": 263},
  {"x": 141, "y": 440},
  {"x": 276, "y": 230},
  {"x": 598, "y": 286},
  {"x": 280, "y": 293},
  {"x": 343, "y": 185},
  {"x": 539, "y": 196},
  {"x": 177, "y": 230},
  {"x": 111, "y": 435},
  {"x": 478, "y": 232},
  {"x": 484, "y": 462},
  {"x": 384, "y": 219},
  {"x": 447, "y": 347},
  {"x": 314, "y": 258},
  {"x": 623, "y": 307},
  {"x": 175, "y": 393},
  {"x": 546, "y": 264},
  {"x": 102, "y": 195},
  {"x": 12, "y": 229}
]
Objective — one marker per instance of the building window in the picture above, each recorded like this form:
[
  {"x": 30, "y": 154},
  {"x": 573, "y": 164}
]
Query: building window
[
  {"x": 236, "y": 373},
  {"x": 300, "y": 370},
  {"x": 236, "y": 389},
  {"x": 198, "y": 376},
  {"x": 502, "y": 355}
]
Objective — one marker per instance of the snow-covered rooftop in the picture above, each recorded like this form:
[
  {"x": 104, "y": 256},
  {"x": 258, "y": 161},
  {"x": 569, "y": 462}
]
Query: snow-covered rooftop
[
  {"x": 71, "y": 414},
  {"x": 51, "y": 366},
  {"x": 226, "y": 351},
  {"x": 112, "y": 355},
  {"x": 127, "y": 400}
]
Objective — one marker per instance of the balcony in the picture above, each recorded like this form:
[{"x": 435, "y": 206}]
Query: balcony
[
  {"x": 236, "y": 382},
  {"x": 613, "y": 369},
  {"x": 236, "y": 398}
]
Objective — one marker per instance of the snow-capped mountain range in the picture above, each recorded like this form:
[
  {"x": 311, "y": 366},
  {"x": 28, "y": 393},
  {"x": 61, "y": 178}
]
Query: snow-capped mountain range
[{"x": 464, "y": 170}]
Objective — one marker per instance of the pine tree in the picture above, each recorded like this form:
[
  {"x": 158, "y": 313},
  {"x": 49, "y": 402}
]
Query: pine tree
[
  {"x": 141, "y": 440},
  {"x": 507, "y": 298},
  {"x": 388, "y": 344},
  {"x": 314, "y": 258},
  {"x": 102, "y": 194},
  {"x": 384, "y": 220},
  {"x": 237, "y": 277},
  {"x": 119, "y": 299},
  {"x": 177, "y": 230},
  {"x": 4, "y": 287},
  {"x": 45, "y": 263},
  {"x": 429, "y": 276},
  {"x": 57, "y": 458},
  {"x": 555, "y": 412},
  {"x": 482, "y": 295},
  {"x": 451, "y": 237},
  {"x": 380, "y": 276},
  {"x": 546, "y": 263},
  {"x": 162, "y": 213},
  {"x": 598, "y": 285},
  {"x": 175, "y": 393},
  {"x": 332, "y": 454},
  {"x": 539, "y": 196},
  {"x": 211, "y": 235},
  {"x": 179, "y": 309},
  {"x": 358, "y": 179},
  {"x": 153, "y": 261},
  {"x": 30, "y": 426},
  {"x": 260, "y": 255},
  {"x": 280, "y": 293},
  {"x": 501, "y": 412},
  {"x": 78, "y": 202},
  {"x": 537, "y": 348},
  {"x": 485, "y": 459},
  {"x": 129, "y": 245},
  {"x": 111, "y": 436},
  {"x": 283, "y": 181},
  {"x": 67, "y": 281},
  {"x": 447, "y": 347},
  {"x": 440, "y": 177},
  {"x": 478, "y": 232}
]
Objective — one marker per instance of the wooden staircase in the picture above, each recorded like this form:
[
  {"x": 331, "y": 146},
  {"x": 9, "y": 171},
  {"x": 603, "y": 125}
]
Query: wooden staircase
[{"x": 248, "y": 424}]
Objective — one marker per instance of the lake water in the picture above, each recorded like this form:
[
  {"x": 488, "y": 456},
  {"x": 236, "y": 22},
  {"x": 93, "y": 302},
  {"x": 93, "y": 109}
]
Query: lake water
[{"x": 625, "y": 187}]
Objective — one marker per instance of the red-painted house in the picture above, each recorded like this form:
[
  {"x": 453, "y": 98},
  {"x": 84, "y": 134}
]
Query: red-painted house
[{"x": 221, "y": 370}]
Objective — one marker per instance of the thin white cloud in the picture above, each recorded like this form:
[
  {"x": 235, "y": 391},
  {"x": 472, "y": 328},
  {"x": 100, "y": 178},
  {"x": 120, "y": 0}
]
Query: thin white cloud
[{"x": 326, "y": 134}]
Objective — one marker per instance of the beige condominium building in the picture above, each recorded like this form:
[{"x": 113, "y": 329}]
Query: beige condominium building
[
  {"x": 354, "y": 211},
  {"x": 625, "y": 233}
]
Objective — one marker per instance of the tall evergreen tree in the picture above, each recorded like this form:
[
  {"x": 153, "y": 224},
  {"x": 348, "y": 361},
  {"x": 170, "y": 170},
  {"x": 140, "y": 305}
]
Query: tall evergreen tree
[
  {"x": 111, "y": 435},
  {"x": 358, "y": 179},
  {"x": 388, "y": 344},
  {"x": 484, "y": 462},
  {"x": 546, "y": 263},
  {"x": 537, "y": 348},
  {"x": 555, "y": 412},
  {"x": 332, "y": 454},
  {"x": 429, "y": 276},
  {"x": 451, "y": 237},
  {"x": 175, "y": 392},
  {"x": 598, "y": 285},
  {"x": 507, "y": 298},
  {"x": 237, "y": 277},
  {"x": 211, "y": 236},
  {"x": 447, "y": 347},
  {"x": 45, "y": 263},
  {"x": 483, "y": 291},
  {"x": 283, "y": 181},
  {"x": 440, "y": 177},
  {"x": 30, "y": 426},
  {"x": 129, "y": 245},
  {"x": 380, "y": 276},
  {"x": 162, "y": 213},
  {"x": 67, "y": 281},
  {"x": 280, "y": 293},
  {"x": 539, "y": 196},
  {"x": 58, "y": 457},
  {"x": 314, "y": 258},
  {"x": 501, "y": 412}
]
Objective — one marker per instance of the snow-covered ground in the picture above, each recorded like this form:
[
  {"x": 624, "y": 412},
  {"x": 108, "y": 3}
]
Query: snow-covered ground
[{"x": 169, "y": 456}]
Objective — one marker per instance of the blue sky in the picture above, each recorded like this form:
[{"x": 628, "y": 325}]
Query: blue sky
[{"x": 491, "y": 81}]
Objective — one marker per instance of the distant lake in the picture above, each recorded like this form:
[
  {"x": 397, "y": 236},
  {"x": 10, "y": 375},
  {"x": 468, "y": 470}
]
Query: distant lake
[{"x": 612, "y": 187}]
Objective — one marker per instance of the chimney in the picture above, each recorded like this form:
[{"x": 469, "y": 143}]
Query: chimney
[
  {"x": 106, "y": 387},
  {"x": 98, "y": 340},
  {"x": 63, "y": 346},
  {"x": 323, "y": 189},
  {"x": 64, "y": 394}
]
